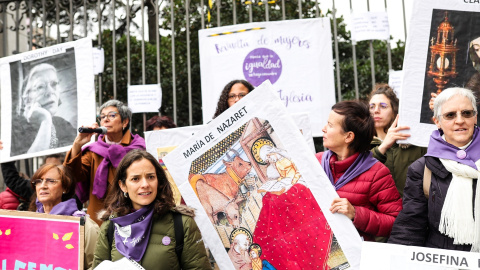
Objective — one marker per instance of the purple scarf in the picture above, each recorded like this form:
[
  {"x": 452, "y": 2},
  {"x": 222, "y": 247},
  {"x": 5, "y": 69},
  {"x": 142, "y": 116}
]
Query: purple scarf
[
  {"x": 439, "y": 148},
  {"x": 112, "y": 155},
  {"x": 132, "y": 232},
  {"x": 362, "y": 164},
  {"x": 66, "y": 208}
]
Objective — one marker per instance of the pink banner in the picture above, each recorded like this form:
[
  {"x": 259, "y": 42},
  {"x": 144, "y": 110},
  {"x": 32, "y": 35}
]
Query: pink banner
[{"x": 31, "y": 243}]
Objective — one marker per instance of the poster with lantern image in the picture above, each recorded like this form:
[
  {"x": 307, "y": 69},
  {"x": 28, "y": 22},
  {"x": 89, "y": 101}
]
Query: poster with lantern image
[
  {"x": 442, "y": 51},
  {"x": 261, "y": 197}
]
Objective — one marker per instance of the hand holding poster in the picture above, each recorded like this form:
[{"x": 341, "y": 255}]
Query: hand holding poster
[
  {"x": 441, "y": 52},
  {"x": 40, "y": 241},
  {"x": 295, "y": 55},
  {"x": 42, "y": 92},
  {"x": 260, "y": 199}
]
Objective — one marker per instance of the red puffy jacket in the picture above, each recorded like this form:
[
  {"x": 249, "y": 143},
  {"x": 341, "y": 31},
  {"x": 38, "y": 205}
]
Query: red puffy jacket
[
  {"x": 373, "y": 194},
  {"x": 9, "y": 200}
]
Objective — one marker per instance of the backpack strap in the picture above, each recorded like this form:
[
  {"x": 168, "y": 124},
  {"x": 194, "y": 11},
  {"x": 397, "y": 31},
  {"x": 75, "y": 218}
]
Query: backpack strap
[
  {"x": 427, "y": 181},
  {"x": 179, "y": 235},
  {"x": 110, "y": 232}
]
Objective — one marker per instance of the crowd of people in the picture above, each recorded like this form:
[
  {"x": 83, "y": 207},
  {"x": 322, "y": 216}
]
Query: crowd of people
[{"x": 399, "y": 193}]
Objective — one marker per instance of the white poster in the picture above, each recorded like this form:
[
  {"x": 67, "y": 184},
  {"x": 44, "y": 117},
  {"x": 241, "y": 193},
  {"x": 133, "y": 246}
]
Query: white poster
[
  {"x": 370, "y": 25},
  {"x": 395, "y": 80},
  {"x": 295, "y": 55},
  {"x": 45, "y": 95},
  {"x": 441, "y": 52},
  {"x": 144, "y": 98},
  {"x": 261, "y": 198},
  {"x": 380, "y": 256}
]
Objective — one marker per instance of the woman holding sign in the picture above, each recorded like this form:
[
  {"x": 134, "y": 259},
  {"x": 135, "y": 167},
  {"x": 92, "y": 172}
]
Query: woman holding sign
[
  {"x": 368, "y": 195},
  {"x": 231, "y": 94},
  {"x": 142, "y": 223},
  {"x": 54, "y": 190},
  {"x": 442, "y": 194},
  {"x": 94, "y": 165}
]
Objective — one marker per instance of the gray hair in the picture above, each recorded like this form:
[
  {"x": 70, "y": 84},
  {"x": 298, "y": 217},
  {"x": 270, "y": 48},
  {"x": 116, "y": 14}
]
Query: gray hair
[
  {"x": 449, "y": 93},
  {"x": 27, "y": 84},
  {"x": 123, "y": 110}
]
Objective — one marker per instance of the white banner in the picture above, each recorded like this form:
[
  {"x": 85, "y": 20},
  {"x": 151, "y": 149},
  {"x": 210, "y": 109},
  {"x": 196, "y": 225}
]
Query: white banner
[
  {"x": 422, "y": 66},
  {"x": 395, "y": 80},
  {"x": 144, "y": 98},
  {"x": 379, "y": 256},
  {"x": 295, "y": 55},
  {"x": 370, "y": 25},
  {"x": 45, "y": 95},
  {"x": 249, "y": 169}
]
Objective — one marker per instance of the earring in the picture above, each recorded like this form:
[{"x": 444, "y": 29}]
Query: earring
[
  {"x": 64, "y": 192},
  {"x": 125, "y": 194}
]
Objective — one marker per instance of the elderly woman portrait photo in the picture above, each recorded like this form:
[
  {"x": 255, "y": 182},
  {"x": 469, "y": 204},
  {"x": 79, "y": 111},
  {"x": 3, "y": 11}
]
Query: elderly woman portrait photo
[
  {"x": 42, "y": 115},
  {"x": 441, "y": 197}
]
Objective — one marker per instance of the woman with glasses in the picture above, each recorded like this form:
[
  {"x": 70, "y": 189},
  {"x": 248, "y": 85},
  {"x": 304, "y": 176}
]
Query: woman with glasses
[
  {"x": 142, "y": 223},
  {"x": 397, "y": 157},
  {"x": 54, "y": 190},
  {"x": 40, "y": 125},
  {"x": 232, "y": 92},
  {"x": 94, "y": 165},
  {"x": 441, "y": 207}
]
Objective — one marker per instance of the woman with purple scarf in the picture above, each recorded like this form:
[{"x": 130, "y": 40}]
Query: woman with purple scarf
[
  {"x": 445, "y": 212},
  {"x": 366, "y": 190},
  {"x": 144, "y": 222},
  {"x": 94, "y": 165},
  {"x": 54, "y": 190}
]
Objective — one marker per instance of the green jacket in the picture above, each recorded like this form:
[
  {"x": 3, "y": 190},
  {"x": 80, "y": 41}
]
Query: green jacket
[
  {"x": 157, "y": 255},
  {"x": 397, "y": 160}
]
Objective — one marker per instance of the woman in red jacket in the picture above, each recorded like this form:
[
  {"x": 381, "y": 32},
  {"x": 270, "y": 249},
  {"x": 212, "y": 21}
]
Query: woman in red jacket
[{"x": 367, "y": 192}]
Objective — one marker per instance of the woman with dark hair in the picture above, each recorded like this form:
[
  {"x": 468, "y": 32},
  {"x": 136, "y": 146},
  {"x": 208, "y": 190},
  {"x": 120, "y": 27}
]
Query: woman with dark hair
[
  {"x": 159, "y": 123},
  {"x": 442, "y": 196},
  {"x": 397, "y": 157},
  {"x": 232, "y": 92},
  {"x": 140, "y": 206},
  {"x": 94, "y": 165},
  {"x": 54, "y": 190},
  {"x": 367, "y": 192}
]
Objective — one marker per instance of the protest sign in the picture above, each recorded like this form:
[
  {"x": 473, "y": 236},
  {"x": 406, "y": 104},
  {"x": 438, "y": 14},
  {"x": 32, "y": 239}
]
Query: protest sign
[
  {"x": 440, "y": 53},
  {"x": 395, "y": 78},
  {"x": 42, "y": 94},
  {"x": 295, "y": 55},
  {"x": 260, "y": 199},
  {"x": 39, "y": 241},
  {"x": 370, "y": 25},
  {"x": 144, "y": 98}
]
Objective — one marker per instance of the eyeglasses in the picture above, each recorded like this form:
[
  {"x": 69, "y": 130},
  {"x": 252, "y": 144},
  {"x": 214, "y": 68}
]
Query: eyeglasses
[
  {"x": 49, "y": 181},
  {"x": 464, "y": 114},
  {"x": 233, "y": 96},
  {"x": 382, "y": 106},
  {"x": 111, "y": 116}
]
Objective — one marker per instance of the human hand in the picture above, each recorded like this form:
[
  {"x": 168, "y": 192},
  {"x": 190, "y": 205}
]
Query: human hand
[
  {"x": 83, "y": 138},
  {"x": 432, "y": 100},
  {"x": 393, "y": 134},
  {"x": 1, "y": 145},
  {"x": 37, "y": 114},
  {"x": 343, "y": 206}
]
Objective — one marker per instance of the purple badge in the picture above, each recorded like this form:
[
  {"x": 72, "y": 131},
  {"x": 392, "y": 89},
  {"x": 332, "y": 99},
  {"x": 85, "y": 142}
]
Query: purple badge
[
  {"x": 260, "y": 65},
  {"x": 166, "y": 240},
  {"x": 461, "y": 154}
]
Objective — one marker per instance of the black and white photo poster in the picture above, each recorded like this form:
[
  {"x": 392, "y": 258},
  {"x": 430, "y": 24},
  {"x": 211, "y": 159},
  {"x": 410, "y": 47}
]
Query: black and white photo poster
[{"x": 45, "y": 94}]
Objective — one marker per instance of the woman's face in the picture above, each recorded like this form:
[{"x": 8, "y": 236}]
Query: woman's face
[
  {"x": 333, "y": 134},
  {"x": 458, "y": 131},
  {"x": 476, "y": 46},
  {"x": 381, "y": 110},
  {"x": 141, "y": 183},
  {"x": 49, "y": 192},
  {"x": 113, "y": 122},
  {"x": 237, "y": 92},
  {"x": 43, "y": 89}
]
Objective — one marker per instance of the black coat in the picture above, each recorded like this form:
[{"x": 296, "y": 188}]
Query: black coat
[{"x": 418, "y": 222}]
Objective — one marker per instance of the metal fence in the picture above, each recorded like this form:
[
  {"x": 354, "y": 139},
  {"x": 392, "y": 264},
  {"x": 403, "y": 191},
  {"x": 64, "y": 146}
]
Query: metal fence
[{"x": 156, "y": 41}]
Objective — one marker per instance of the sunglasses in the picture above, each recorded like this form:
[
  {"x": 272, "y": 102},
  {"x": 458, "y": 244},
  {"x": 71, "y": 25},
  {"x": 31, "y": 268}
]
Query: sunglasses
[{"x": 464, "y": 114}]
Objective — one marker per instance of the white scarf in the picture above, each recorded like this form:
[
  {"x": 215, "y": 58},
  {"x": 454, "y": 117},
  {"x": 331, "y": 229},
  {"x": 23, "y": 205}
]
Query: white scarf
[{"x": 457, "y": 220}]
